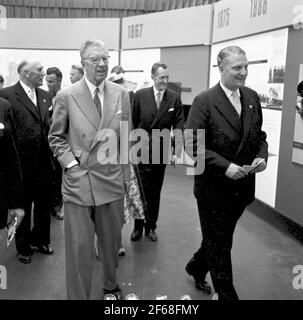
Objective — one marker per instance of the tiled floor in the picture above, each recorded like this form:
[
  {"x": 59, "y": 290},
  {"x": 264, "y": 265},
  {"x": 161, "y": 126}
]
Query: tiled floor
[{"x": 264, "y": 255}]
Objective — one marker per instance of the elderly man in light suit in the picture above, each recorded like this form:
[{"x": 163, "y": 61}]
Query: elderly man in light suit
[{"x": 86, "y": 124}]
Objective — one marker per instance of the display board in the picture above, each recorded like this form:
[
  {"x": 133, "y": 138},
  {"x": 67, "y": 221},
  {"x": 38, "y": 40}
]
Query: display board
[
  {"x": 64, "y": 34},
  {"x": 266, "y": 77},
  {"x": 239, "y": 18},
  {"x": 182, "y": 27},
  {"x": 297, "y": 153},
  {"x": 138, "y": 64}
]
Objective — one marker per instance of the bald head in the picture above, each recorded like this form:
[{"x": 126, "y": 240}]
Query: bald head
[{"x": 31, "y": 73}]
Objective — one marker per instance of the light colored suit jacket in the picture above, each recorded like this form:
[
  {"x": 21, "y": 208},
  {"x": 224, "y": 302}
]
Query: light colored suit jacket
[{"x": 78, "y": 134}]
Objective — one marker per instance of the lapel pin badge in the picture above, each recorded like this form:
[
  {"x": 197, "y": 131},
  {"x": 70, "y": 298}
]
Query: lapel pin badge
[
  {"x": 1, "y": 126},
  {"x": 250, "y": 106},
  {"x": 44, "y": 100}
]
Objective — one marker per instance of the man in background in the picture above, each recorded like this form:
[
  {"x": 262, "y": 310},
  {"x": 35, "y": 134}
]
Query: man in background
[
  {"x": 1, "y": 82},
  {"x": 11, "y": 187},
  {"x": 30, "y": 106},
  {"x": 231, "y": 116},
  {"x": 155, "y": 108},
  {"x": 76, "y": 73},
  {"x": 53, "y": 80}
]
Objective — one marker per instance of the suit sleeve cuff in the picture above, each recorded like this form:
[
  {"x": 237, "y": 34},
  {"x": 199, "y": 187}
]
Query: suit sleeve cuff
[{"x": 71, "y": 164}]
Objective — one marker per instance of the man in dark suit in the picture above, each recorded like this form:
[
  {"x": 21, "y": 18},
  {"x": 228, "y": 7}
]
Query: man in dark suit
[
  {"x": 30, "y": 110},
  {"x": 11, "y": 188},
  {"x": 231, "y": 116},
  {"x": 53, "y": 80},
  {"x": 154, "y": 109}
]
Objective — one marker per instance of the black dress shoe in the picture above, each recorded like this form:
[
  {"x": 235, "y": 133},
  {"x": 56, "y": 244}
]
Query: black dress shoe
[
  {"x": 44, "y": 249},
  {"x": 200, "y": 283},
  {"x": 24, "y": 258},
  {"x": 115, "y": 294},
  {"x": 203, "y": 286},
  {"x": 135, "y": 235},
  {"x": 152, "y": 235}
]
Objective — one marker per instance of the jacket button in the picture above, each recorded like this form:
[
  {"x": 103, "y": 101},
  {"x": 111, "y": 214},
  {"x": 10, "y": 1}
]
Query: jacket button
[{"x": 83, "y": 135}]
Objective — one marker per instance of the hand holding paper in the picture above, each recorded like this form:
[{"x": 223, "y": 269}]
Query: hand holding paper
[{"x": 257, "y": 165}]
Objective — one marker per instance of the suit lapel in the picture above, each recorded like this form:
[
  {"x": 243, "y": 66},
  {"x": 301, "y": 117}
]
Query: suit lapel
[
  {"x": 84, "y": 100},
  {"x": 42, "y": 104},
  {"x": 225, "y": 107},
  {"x": 25, "y": 100},
  {"x": 247, "y": 109},
  {"x": 109, "y": 105},
  {"x": 162, "y": 109},
  {"x": 108, "y": 110}
]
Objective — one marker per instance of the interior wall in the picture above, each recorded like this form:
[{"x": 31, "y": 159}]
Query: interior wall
[
  {"x": 289, "y": 200},
  {"x": 190, "y": 66}
]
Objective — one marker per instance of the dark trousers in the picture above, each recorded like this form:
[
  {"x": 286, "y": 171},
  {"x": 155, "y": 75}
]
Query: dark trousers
[
  {"x": 57, "y": 192},
  {"x": 218, "y": 226},
  {"x": 152, "y": 176},
  {"x": 37, "y": 193}
]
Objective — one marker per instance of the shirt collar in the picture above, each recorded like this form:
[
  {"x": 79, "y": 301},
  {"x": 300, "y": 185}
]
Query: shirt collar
[
  {"x": 227, "y": 91},
  {"x": 156, "y": 91},
  {"x": 26, "y": 88},
  {"x": 92, "y": 87}
]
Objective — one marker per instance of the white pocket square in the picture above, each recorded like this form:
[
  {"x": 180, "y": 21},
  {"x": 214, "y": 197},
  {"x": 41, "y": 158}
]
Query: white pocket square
[
  {"x": 1, "y": 126},
  {"x": 171, "y": 109}
]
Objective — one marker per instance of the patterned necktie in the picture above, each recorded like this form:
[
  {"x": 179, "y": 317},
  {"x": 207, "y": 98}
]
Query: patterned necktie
[
  {"x": 158, "y": 99},
  {"x": 235, "y": 100},
  {"x": 97, "y": 101}
]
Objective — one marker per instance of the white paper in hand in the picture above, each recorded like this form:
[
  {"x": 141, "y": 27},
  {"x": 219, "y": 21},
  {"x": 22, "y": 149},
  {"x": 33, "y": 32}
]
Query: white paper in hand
[
  {"x": 251, "y": 169},
  {"x": 11, "y": 230}
]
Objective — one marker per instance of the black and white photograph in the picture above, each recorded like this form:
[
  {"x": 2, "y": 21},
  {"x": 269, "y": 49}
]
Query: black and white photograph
[{"x": 151, "y": 150}]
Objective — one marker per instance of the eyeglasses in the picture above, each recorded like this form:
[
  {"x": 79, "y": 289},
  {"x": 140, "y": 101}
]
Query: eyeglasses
[{"x": 96, "y": 60}]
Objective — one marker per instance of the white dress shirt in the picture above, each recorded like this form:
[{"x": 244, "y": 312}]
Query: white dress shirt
[
  {"x": 229, "y": 93},
  {"x": 31, "y": 93},
  {"x": 156, "y": 92},
  {"x": 92, "y": 89}
]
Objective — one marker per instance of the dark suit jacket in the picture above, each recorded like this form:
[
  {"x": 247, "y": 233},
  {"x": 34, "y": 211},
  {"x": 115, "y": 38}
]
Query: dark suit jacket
[
  {"x": 146, "y": 115},
  {"x": 227, "y": 139},
  {"x": 11, "y": 189},
  {"x": 31, "y": 130}
]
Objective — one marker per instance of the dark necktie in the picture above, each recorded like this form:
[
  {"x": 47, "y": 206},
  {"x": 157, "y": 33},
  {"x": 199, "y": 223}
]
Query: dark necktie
[
  {"x": 158, "y": 99},
  {"x": 97, "y": 102}
]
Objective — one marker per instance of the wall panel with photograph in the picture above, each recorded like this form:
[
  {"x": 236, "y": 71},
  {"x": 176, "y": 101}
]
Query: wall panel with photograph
[{"x": 297, "y": 153}]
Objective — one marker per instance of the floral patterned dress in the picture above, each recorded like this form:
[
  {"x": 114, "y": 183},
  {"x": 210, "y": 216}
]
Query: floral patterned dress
[{"x": 134, "y": 200}]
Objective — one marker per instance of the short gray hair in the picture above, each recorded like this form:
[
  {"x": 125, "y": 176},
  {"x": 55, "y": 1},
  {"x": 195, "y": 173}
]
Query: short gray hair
[
  {"x": 225, "y": 52},
  {"x": 21, "y": 66},
  {"x": 90, "y": 43},
  {"x": 78, "y": 68}
]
